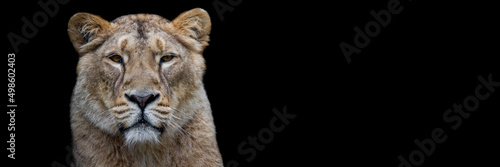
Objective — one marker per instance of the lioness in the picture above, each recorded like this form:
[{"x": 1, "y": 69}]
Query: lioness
[{"x": 139, "y": 99}]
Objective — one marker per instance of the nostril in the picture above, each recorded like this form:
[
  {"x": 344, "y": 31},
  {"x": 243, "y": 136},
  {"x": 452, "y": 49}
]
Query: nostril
[
  {"x": 142, "y": 101},
  {"x": 142, "y": 120}
]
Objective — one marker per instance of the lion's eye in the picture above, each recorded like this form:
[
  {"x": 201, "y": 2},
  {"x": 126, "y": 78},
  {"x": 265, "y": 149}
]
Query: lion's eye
[
  {"x": 116, "y": 58},
  {"x": 166, "y": 58}
]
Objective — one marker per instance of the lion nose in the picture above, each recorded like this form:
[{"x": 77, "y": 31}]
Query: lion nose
[{"x": 142, "y": 101}]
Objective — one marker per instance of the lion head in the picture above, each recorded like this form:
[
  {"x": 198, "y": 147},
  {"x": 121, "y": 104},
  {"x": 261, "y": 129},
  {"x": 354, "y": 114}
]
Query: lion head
[{"x": 135, "y": 71}]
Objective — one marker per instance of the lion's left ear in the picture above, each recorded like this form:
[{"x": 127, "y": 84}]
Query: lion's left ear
[{"x": 194, "y": 24}]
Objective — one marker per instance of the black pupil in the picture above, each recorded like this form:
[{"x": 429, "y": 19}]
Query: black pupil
[
  {"x": 116, "y": 58},
  {"x": 166, "y": 58}
]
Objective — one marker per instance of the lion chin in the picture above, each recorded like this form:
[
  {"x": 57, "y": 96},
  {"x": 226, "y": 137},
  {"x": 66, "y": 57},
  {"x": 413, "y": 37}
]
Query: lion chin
[{"x": 141, "y": 133}]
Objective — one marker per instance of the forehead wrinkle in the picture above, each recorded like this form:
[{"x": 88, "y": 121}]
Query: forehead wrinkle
[
  {"x": 123, "y": 41},
  {"x": 123, "y": 44},
  {"x": 157, "y": 38},
  {"x": 158, "y": 42},
  {"x": 141, "y": 27}
]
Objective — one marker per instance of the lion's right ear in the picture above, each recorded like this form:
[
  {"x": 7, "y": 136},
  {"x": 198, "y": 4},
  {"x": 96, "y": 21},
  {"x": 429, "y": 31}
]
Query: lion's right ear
[{"x": 83, "y": 28}]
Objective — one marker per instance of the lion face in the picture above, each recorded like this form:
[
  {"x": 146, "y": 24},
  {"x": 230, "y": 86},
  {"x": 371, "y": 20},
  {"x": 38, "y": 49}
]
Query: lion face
[{"x": 134, "y": 71}]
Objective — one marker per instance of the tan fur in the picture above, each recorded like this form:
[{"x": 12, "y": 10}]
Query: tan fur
[{"x": 105, "y": 121}]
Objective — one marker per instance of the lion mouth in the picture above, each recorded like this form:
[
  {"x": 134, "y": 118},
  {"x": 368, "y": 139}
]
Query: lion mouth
[
  {"x": 141, "y": 132},
  {"x": 141, "y": 126}
]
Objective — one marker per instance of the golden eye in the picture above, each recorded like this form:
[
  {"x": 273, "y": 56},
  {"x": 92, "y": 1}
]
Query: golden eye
[
  {"x": 166, "y": 58},
  {"x": 116, "y": 58}
]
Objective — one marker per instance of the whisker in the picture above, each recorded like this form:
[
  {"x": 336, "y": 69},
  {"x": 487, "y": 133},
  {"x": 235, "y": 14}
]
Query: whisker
[
  {"x": 183, "y": 132},
  {"x": 173, "y": 116},
  {"x": 176, "y": 127},
  {"x": 174, "y": 109},
  {"x": 181, "y": 129}
]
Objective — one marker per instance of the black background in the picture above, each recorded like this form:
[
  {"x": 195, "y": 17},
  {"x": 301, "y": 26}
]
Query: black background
[{"x": 267, "y": 55}]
